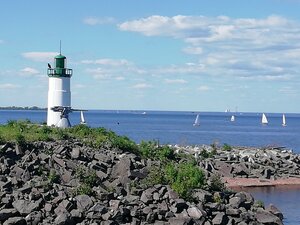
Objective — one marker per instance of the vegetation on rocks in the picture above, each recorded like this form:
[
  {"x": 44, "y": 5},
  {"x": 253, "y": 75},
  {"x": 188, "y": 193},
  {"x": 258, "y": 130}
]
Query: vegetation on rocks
[{"x": 84, "y": 175}]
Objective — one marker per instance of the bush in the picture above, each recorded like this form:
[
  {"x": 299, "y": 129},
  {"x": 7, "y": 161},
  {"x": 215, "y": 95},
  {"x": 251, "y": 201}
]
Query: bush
[
  {"x": 184, "y": 177},
  {"x": 165, "y": 153},
  {"x": 155, "y": 176},
  {"x": 227, "y": 147},
  {"x": 53, "y": 177},
  {"x": 259, "y": 204}
]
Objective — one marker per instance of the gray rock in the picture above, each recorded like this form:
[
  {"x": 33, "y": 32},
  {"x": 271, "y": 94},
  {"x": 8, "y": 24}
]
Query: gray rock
[
  {"x": 179, "y": 221},
  {"x": 24, "y": 207},
  {"x": 220, "y": 219},
  {"x": 235, "y": 202},
  {"x": 64, "y": 219},
  {"x": 266, "y": 217},
  {"x": 15, "y": 221},
  {"x": 202, "y": 195},
  {"x": 34, "y": 218},
  {"x": 147, "y": 195},
  {"x": 121, "y": 168},
  {"x": 84, "y": 202},
  {"x": 75, "y": 153},
  {"x": 195, "y": 212},
  {"x": 274, "y": 210}
]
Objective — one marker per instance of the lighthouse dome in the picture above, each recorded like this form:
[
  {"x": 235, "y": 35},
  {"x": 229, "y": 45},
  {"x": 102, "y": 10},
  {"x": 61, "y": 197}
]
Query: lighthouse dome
[{"x": 60, "y": 61}]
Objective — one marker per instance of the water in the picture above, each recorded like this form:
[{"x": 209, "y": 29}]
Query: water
[
  {"x": 177, "y": 128},
  {"x": 284, "y": 198}
]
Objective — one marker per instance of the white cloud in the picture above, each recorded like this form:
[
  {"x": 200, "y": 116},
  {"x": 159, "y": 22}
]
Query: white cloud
[
  {"x": 188, "y": 68},
  {"x": 99, "y": 21},
  {"x": 288, "y": 90},
  {"x": 40, "y": 56},
  {"x": 120, "y": 78},
  {"x": 142, "y": 86},
  {"x": 100, "y": 73},
  {"x": 193, "y": 50},
  {"x": 108, "y": 62},
  {"x": 175, "y": 81},
  {"x": 203, "y": 88},
  {"x": 195, "y": 29},
  {"x": 28, "y": 71},
  {"x": 9, "y": 86}
]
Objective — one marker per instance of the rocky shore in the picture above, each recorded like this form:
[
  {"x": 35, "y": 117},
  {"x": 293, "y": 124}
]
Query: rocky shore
[
  {"x": 249, "y": 166},
  {"x": 66, "y": 182}
]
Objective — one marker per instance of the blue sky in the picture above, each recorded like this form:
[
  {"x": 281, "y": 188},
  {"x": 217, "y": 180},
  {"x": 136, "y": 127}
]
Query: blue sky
[{"x": 155, "y": 55}]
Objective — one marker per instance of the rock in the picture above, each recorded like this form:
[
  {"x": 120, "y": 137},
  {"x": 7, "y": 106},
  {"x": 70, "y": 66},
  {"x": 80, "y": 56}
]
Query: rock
[
  {"x": 75, "y": 153},
  {"x": 34, "y": 218},
  {"x": 15, "y": 221},
  {"x": 224, "y": 168},
  {"x": 64, "y": 219},
  {"x": 202, "y": 195},
  {"x": 179, "y": 221},
  {"x": 24, "y": 207},
  {"x": 84, "y": 202},
  {"x": 121, "y": 168},
  {"x": 266, "y": 217},
  {"x": 274, "y": 210},
  {"x": 195, "y": 212},
  {"x": 147, "y": 195},
  {"x": 220, "y": 219}
]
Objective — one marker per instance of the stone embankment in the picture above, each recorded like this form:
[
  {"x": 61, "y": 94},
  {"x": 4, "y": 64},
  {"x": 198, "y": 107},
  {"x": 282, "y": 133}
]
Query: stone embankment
[
  {"x": 249, "y": 166},
  {"x": 65, "y": 182}
]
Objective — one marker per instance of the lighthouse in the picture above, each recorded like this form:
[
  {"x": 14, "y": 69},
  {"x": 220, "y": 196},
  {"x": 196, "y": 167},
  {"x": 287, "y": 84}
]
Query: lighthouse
[{"x": 59, "y": 93}]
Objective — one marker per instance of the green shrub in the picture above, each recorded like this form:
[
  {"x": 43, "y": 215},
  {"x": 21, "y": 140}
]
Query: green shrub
[
  {"x": 184, "y": 177},
  {"x": 164, "y": 153},
  {"x": 227, "y": 147},
  {"x": 87, "y": 180},
  {"x": 155, "y": 176},
  {"x": 259, "y": 204},
  {"x": 53, "y": 177},
  {"x": 123, "y": 143},
  {"x": 83, "y": 189}
]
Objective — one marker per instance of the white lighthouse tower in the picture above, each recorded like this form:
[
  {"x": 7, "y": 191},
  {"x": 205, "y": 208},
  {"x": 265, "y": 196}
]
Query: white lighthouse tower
[{"x": 59, "y": 94}]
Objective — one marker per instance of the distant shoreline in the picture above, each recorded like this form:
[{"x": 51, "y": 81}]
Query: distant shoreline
[{"x": 22, "y": 108}]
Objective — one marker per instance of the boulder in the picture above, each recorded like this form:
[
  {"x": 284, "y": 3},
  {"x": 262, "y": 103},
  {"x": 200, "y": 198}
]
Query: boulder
[
  {"x": 83, "y": 202},
  {"x": 265, "y": 217},
  {"x": 274, "y": 210}
]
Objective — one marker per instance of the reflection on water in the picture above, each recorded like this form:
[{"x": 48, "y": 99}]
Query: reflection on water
[{"x": 285, "y": 198}]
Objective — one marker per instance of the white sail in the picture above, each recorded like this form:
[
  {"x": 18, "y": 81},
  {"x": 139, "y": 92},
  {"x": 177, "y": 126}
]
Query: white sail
[
  {"x": 82, "y": 120},
  {"x": 232, "y": 119},
  {"x": 264, "y": 119},
  {"x": 283, "y": 120},
  {"x": 197, "y": 123}
]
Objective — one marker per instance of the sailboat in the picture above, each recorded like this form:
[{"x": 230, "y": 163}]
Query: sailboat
[
  {"x": 283, "y": 120},
  {"x": 264, "y": 119},
  {"x": 232, "y": 119},
  {"x": 197, "y": 123},
  {"x": 82, "y": 120}
]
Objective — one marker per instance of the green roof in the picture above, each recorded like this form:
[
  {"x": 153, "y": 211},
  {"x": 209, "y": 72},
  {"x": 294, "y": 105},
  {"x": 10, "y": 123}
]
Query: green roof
[{"x": 60, "y": 56}]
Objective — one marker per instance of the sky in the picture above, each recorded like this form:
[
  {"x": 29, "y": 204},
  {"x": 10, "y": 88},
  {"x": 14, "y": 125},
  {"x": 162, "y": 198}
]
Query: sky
[{"x": 175, "y": 55}]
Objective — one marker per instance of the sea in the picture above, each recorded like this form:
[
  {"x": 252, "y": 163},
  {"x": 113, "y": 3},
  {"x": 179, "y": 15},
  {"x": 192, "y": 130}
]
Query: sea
[{"x": 170, "y": 127}]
